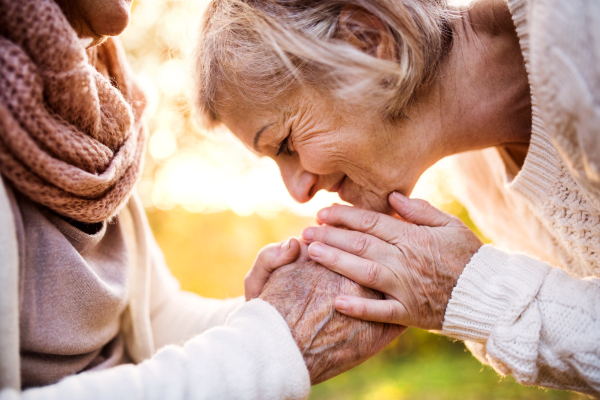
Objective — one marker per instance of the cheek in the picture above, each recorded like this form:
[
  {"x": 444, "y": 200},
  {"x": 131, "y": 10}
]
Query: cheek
[
  {"x": 319, "y": 156},
  {"x": 338, "y": 154}
]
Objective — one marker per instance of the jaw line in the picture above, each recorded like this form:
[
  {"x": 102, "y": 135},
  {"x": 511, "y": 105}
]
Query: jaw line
[{"x": 366, "y": 204}]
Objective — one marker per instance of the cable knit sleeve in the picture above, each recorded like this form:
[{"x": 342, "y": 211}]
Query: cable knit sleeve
[
  {"x": 253, "y": 356},
  {"x": 529, "y": 320}
]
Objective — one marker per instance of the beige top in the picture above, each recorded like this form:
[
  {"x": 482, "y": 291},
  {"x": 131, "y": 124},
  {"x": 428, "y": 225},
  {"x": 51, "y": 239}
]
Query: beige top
[
  {"x": 529, "y": 303},
  {"x": 73, "y": 289}
]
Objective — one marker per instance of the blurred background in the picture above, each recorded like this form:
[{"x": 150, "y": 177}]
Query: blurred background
[{"x": 213, "y": 205}]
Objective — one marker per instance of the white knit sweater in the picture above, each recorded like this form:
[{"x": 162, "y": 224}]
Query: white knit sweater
[{"x": 537, "y": 316}]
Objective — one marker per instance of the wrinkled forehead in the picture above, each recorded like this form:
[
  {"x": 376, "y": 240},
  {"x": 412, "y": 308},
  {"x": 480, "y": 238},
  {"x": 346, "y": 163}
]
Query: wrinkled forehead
[
  {"x": 240, "y": 110},
  {"x": 244, "y": 118}
]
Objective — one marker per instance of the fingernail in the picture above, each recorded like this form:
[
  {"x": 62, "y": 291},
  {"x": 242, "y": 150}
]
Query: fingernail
[
  {"x": 286, "y": 245},
  {"x": 315, "y": 249},
  {"x": 308, "y": 233},
  {"x": 323, "y": 214},
  {"x": 341, "y": 305},
  {"x": 402, "y": 199}
]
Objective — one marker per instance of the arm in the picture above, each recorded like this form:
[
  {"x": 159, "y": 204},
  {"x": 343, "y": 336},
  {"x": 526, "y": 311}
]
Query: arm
[
  {"x": 533, "y": 321},
  {"x": 524, "y": 317},
  {"x": 176, "y": 315},
  {"x": 252, "y": 357},
  {"x": 256, "y": 355}
]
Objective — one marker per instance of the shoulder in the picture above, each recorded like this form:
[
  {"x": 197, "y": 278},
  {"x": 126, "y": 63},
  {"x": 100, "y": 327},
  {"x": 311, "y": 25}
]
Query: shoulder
[{"x": 565, "y": 54}]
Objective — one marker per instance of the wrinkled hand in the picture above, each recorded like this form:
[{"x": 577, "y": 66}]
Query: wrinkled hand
[
  {"x": 330, "y": 342},
  {"x": 270, "y": 258},
  {"x": 416, "y": 263}
]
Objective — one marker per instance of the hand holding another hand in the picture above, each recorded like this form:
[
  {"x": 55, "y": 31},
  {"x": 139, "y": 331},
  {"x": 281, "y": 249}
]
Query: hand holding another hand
[
  {"x": 415, "y": 263},
  {"x": 330, "y": 342}
]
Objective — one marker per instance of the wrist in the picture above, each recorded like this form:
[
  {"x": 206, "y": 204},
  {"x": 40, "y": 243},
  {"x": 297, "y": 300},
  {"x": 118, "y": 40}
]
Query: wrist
[{"x": 488, "y": 287}]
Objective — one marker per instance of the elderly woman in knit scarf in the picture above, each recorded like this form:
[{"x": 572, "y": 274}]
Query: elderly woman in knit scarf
[
  {"x": 360, "y": 97},
  {"x": 83, "y": 285}
]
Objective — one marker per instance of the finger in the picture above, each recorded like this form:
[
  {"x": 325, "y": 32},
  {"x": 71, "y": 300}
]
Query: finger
[
  {"x": 383, "y": 226},
  {"x": 357, "y": 243},
  {"x": 277, "y": 255},
  {"x": 268, "y": 260},
  {"x": 303, "y": 257},
  {"x": 367, "y": 273},
  {"x": 420, "y": 212},
  {"x": 386, "y": 311}
]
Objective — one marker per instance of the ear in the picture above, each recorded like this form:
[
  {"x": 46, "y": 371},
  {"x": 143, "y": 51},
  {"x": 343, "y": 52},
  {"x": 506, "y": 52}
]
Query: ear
[{"x": 366, "y": 32}]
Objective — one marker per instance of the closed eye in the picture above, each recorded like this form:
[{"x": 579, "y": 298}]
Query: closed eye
[{"x": 285, "y": 147}]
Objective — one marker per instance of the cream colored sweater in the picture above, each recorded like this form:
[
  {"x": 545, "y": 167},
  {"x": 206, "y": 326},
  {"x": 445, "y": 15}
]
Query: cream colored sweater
[
  {"x": 537, "y": 316},
  {"x": 184, "y": 346}
]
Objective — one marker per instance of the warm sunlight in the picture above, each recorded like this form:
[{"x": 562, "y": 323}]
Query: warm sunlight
[{"x": 208, "y": 171}]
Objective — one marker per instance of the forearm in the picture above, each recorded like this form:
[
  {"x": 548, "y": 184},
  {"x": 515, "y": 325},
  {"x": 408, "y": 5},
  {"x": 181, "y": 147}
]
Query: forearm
[
  {"x": 536, "y": 322},
  {"x": 175, "y": 315},
  {"x": 187, "y": 314},
  {"x": 253, "y": 357}
]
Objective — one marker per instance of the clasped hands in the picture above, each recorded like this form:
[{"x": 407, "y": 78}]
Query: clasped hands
[{"x": 406, "y": 268}]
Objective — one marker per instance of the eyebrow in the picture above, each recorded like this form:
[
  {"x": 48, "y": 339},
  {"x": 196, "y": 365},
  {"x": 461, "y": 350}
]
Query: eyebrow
[{"x": 257, "y": 135}]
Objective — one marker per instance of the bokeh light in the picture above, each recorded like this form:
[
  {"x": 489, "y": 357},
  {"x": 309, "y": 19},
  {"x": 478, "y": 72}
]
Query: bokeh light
[{"x": 204, "y": 171}]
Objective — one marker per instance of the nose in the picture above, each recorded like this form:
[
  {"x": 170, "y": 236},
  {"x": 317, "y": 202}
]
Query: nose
[{"x": 301, "y": 184}]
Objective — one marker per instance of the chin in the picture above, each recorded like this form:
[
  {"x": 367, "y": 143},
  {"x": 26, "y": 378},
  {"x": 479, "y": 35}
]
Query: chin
[
  {"x": 109, "y": 17},
  {"x": 366, "y": 200}
]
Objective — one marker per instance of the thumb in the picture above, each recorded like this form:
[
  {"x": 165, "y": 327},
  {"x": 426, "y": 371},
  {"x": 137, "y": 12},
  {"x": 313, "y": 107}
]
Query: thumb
[
  {"x": 420, "y": 212},
  {"x": 279, "y": 255},
  {"x": 268, "y": 260}
]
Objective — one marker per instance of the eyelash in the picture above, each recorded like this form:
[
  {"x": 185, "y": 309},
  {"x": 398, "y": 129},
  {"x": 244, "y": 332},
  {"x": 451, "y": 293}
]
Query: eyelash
[{"x": 284, "y": 147}]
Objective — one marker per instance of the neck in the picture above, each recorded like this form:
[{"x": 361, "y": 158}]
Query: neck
[{"x": 484, "y": 88}]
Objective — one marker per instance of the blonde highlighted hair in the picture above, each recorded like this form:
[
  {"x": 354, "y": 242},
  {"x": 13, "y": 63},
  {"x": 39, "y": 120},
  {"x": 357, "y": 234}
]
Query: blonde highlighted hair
[{"x": 261, "y": 48}]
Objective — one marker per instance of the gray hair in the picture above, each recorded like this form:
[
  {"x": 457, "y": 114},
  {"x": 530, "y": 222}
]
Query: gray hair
[{"x": 262, "y": 48}]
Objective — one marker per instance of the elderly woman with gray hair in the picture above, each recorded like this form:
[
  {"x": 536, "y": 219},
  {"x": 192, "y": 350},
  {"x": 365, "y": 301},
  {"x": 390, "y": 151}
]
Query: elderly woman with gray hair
[{"x": 361, "y": 97}]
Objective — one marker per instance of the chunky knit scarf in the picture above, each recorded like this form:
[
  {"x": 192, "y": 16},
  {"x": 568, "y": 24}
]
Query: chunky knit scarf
[{"x": 71, "y": 137}]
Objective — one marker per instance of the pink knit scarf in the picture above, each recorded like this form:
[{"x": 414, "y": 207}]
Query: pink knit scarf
[{"x": 71, "y": 137}]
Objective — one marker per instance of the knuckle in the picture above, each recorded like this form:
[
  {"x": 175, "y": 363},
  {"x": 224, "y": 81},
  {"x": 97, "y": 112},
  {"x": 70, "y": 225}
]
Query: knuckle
[
  {"x": 248, "y": 281},
  {"x": 361, "y": 310},
  {"x": 323, "y": 233},
  {"x": 422, "y": 203},
  {"x": 361, "y": 245},
  {"x": 457, "y": 222},
  {"x": 268, "y": 252},
  {"x": 390, "y": 312},
  {"x": 421, "y": 206},
  {"x": 369, "y": 220},
  {"x": 335, "y": 258},
  {"x": 334, "y": 213},
  {"x": 372, "y": 273}
]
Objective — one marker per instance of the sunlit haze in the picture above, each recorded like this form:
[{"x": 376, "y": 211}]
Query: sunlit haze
[{"x": 208, "y": 171}]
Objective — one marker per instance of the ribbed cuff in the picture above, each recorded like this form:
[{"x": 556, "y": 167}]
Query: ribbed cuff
[{"x": 494, "y": 285}]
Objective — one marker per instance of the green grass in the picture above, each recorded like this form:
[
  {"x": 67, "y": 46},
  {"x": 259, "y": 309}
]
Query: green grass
[{"x": 429, "y": 367}]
